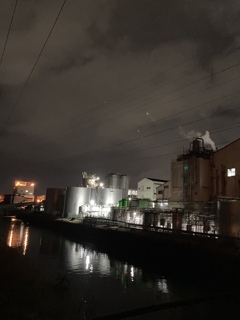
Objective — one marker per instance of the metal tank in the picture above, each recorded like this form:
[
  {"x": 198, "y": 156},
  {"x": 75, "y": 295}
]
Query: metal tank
[
  {"x": 113, "y": 180},
  {"x": 108, "y": 196},
  {"x": 124, "y": 185},
  {"x": 197, "y": 145},
  {"x": 228, "y": 218},
  {"x": 55, "y": 200},
  {"x": 75, "y": 198}
]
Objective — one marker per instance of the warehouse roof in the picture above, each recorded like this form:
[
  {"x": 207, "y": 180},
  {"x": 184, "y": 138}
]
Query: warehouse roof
[{"x": 157, "y": 180}]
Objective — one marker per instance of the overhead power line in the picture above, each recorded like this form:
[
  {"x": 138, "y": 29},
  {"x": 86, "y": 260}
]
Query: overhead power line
[
  {"x": 34, "y": 66},
  {"x": 8, "y": 33}
]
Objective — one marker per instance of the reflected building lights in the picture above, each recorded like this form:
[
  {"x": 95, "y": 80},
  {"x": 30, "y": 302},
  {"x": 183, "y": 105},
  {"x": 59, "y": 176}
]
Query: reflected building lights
[
  {"x": 25, "y": 242},
  {"x": 18, "y": 235},
  {"x": 10, "y": 238},
  {"x": 132, "y": 273},
  {"x": 87, "y": 262},
  {"x": 162, "y": 285}
]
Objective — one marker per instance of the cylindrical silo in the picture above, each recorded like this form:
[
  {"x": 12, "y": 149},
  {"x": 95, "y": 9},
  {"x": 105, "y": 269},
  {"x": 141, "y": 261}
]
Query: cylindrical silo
[
  {"x": 113, "y": 180},
  {"x": 55, "y": 200},
  {"x": 124, "y": 185},
  {"x": 108, "y": 196},
  {"x": 102, "y": 196},
  {"x": 75, "y": 198},
  {"x": 116, "y": 196}
]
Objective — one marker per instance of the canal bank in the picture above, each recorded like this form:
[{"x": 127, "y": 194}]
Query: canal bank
[{"x": 196, "y": 255}]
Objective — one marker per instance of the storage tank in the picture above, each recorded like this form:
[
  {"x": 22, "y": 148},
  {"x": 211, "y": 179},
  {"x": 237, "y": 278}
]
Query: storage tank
[
  {"x": 108, "y": 196},
  {"x": 228, "y": 217},
  {"x": 55, "y": 200},
  {"x": 75, "y": 198},
  {"x": 113, "y": 180},
  {"x": 124, "y": 185}
]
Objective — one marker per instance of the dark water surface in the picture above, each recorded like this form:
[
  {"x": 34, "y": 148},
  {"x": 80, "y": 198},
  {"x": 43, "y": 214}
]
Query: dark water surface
[{"x": 102, "y": 283}]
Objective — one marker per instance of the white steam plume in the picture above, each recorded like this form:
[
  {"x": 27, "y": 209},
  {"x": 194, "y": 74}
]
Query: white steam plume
[
  {"x": 208, "y": 141},
  {"x": 195, "y": 134}
]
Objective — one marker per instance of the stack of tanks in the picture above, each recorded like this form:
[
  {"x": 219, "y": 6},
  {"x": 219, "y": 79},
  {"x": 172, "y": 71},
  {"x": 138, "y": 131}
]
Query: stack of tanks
[{"x": 91, "y": 197}]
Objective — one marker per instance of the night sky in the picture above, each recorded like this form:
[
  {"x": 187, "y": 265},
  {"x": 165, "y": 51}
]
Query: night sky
[{"x": 113, "y": 85}]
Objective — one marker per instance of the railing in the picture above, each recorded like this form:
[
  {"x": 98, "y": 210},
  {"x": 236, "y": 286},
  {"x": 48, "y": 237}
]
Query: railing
[{"x": 117, "y": 223}]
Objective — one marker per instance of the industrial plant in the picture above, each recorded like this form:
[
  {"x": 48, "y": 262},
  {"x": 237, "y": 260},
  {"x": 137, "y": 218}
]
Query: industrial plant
[
  {"x": 91, "y": 197},
  {"x": 202, "y": 194}
]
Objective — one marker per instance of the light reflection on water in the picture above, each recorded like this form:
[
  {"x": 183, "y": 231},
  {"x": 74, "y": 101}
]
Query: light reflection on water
[
  {"x": 108, "y": 285},
  {"x": 111, "y": 286},
  {"x": 18, "y": 235}
]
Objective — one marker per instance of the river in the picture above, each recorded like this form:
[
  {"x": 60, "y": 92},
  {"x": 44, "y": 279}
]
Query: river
[{"x": 100, "y": 283}]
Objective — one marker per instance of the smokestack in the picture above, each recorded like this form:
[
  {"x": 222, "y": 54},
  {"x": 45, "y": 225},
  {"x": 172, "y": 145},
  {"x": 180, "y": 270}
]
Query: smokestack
[{"x": 190, "y": 135}]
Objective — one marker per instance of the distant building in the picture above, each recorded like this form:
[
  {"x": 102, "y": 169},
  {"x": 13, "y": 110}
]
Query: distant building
[
  {"x": 147, "y": 188},
  {"x": 132, "y": 193},
  {"x": 23, "y": 191},
  {"x": 163, "y": 191},
  {"x": 39, "y": 199}
]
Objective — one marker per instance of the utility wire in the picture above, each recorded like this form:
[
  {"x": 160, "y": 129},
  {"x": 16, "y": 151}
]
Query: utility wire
[
  {"x": 8, "y": 33},
  {"x": 182, "y": 75},
  {"x": 186, "y": 110},
  {"x": 126, "y": 114},
  {"x": 34, "y": 66},
  {"x": 161, "y": 131}
]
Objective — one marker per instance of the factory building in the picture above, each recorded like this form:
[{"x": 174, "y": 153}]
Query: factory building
[
  {"x": 191, "y": 174},
  {"x": 163, "y": 192},
  {"x": 204, "y": 175},
  {"x": 225, "y": 175},
  {"x": 147, "y": 188},
  {"x": 23, "y": 191}
]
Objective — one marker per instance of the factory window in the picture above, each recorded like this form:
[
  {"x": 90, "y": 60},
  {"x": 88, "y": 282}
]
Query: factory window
[
  {"x": 231, "y": 172},
  {"x": 185, "y": 168}
]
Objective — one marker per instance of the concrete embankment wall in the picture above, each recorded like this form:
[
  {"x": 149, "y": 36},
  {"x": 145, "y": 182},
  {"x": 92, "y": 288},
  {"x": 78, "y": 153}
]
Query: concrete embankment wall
[{"x": 170, "y": 251}]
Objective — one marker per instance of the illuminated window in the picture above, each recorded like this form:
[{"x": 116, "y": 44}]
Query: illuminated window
[
  {"x": 20, "y": 184},
  {"x": 185, "y": 168},
  {"x": 231, "y": 172}
]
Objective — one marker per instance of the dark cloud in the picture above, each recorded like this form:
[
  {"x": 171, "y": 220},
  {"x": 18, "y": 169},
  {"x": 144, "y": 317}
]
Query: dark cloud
[
  {"x": 68, "y": 63},
  {"x": 113, "y": 85},
  {"x": 149, "y": 24},
  {"x": 228, "y": 113}
]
